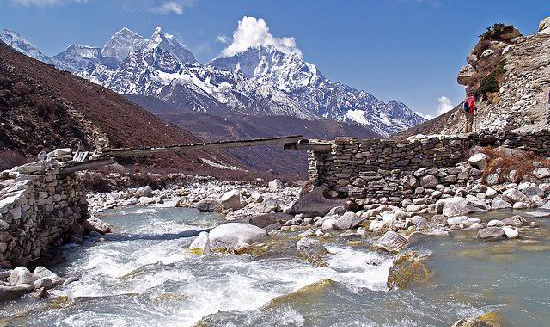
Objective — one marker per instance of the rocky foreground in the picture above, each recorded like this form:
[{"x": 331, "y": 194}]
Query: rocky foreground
[{"x": 255, "y": 211}]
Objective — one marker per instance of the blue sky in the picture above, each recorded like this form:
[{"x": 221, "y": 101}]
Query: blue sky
[{"x": 408, "y": 50}]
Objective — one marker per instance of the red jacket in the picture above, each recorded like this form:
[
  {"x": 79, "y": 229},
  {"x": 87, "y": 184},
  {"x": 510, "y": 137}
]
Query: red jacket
[{"x": 471, "y": 100}]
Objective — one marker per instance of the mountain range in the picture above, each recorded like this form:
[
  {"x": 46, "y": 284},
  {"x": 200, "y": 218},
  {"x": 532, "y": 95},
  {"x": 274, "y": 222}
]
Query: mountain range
[{"x": 260, "y": 81}]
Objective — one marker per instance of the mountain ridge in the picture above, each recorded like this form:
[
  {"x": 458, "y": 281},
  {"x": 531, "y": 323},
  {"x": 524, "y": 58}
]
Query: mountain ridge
[{"x": 261, "y": 80}]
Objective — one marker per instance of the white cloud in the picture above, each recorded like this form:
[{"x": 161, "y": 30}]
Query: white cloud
[
  {"x": 176, "y": 7},
  {"x": 425, "y": 116},
  {"x": 444, "y": 105},
  {"x": 253, "y": 32},
  {"x": 43, "y": 2},
  {"x": 167, "y": 8},
  {"x": 222, "y": 39}
]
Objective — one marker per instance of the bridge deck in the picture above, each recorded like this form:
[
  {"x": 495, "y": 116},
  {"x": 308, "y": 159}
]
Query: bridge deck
[{"x": 106, "y": 157}]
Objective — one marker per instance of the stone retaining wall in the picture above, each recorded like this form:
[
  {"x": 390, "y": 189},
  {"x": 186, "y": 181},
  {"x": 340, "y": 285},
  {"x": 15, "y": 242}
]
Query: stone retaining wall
[
  {"x": 390, "y": 171},
  {"x": 40, "y": 208}
]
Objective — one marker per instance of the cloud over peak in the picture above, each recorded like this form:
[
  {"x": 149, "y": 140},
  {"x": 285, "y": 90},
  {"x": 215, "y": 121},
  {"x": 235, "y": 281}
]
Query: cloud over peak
[
  {"x": 444, "y": 105},
  {"x": 167, "y": 8},
  {"x": 253, "y": 32}
]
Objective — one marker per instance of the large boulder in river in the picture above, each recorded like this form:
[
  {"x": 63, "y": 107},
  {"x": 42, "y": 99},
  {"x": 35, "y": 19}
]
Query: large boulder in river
[
  {"x": 346, "y": 221},
  {"x": 391, "y": 242},
  {"x": 8, "y": 293},
  {"x": 233, "y": 235},
  {"x": 201, "y": 244},
  {"x": 408, "y": 269},
  {"x": 512, "y": 195},
  {"x": 315, "y": 204},
  {"x": 491, "y": 234},
  {"x": 454, "y": 207},
  {"x": 209, "y": 205},
  {"x": 312, "y": 250},
  {"x": 268, "y": 219},
  {"x": 232, "y": 200},
  {"x": 21, "y": 275}
]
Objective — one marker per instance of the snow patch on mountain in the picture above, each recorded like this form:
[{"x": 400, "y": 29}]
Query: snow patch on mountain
[{"x": 16, "y": 41}]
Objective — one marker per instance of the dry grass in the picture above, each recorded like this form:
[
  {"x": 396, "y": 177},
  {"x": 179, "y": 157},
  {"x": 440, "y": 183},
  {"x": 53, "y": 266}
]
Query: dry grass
[{"x": 503, "y": 161}]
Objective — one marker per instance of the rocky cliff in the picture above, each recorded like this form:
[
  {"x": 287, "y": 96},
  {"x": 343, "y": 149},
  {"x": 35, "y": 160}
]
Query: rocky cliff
[{"x": 510, "y": 76}]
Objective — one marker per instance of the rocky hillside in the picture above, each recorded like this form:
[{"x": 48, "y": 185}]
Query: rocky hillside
[
  {"x": 510, "y": 77},
  {"x": 44, "y": 108},
  {"x": 261, "y": 80}
]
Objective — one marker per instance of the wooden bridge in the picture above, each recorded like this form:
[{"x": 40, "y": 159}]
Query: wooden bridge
[{"x": 107, "y": 156}]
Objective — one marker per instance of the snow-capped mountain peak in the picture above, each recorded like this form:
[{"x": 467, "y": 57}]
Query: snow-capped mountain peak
[
  {"x": 121, "y": 43},
  {"x": 169, "y": 43},
  {"x": 260, "y": 80},
  {"x": 16, "y": 41}
]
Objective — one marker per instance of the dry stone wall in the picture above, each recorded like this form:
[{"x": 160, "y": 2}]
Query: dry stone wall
[
  {"x": 40, "y": 207},
  {"x": 390, "y": 171}
]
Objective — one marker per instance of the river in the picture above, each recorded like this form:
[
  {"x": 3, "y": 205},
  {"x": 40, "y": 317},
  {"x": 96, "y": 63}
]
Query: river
[{"x": 144, "y": 276}]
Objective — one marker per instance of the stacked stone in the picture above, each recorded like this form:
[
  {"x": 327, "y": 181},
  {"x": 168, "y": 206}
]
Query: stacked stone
[
  {"x": 390, "y": 171},
  {"x": 40, "y": 207}
]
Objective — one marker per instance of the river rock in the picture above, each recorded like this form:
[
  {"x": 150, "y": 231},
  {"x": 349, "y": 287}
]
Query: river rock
[
  {"x": 533, "y": 191},
  {"x": 209, "y": 205},
  {"x": 228, "y": 236},
  {"x": 338, "y": 210},
  {"x": 520, "y": 206},
  {"x": 315, "y": 204},
  {"x": 495, "y": 223},
  {"x": 541, "y": 173},
  {"x": 328, "y": 224},
  {"x": 144, "y": 191},
  {"x": 491, "y": 234},
  {"x": 232, "y": 200},
  {"x": 499, "y": 204},
  {"x": 201, "y": 244},
  {"x": 516, "y": 221},
  {"x": 454, "y": 207},
  {"x": 407, "y": 270},
  {"x": 8, "y": 293},
  {"x": 21, "y": 275},
  {"x": 345, "y": 221},
  {"x": 43, "y": 283},
  {"x": 391, "y": 241},
  {"x": 462, "y": 220},
  {"x": 513, "y": 196},
  {"x": 312, "y": 250},
  {"x": 478, "y": 160},
  {"x": 42, "y": 272},
  {"x": 275, "y": 184},
  {"x": 270, "y": 218},
  {"x": 510, "y": 232}
]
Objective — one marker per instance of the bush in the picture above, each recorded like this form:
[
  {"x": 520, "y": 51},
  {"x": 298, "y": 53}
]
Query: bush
[
  {"x": 505, "y": 160},
  {"x": 498, "y": 31},
  {"x": 490, "y": 84}
]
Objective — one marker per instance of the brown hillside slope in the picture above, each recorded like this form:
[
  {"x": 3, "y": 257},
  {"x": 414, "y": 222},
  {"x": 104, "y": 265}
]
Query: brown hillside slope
[
  {"x": 44, "y": 108},
  {"x": 288, "y": 164}
]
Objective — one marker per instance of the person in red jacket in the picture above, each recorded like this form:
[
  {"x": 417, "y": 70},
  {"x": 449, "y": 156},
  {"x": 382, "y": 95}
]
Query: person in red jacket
[{"x": 469, "y": 112}]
